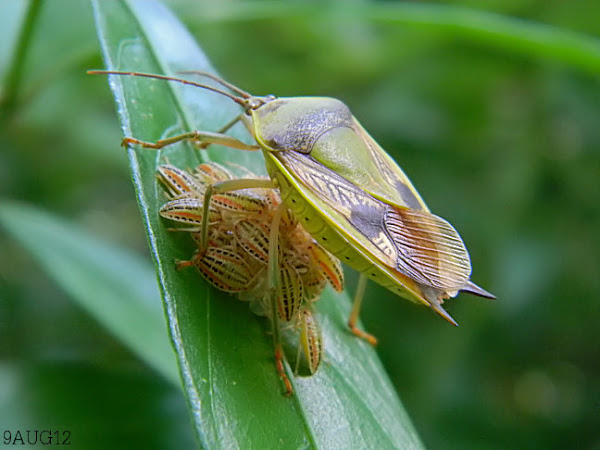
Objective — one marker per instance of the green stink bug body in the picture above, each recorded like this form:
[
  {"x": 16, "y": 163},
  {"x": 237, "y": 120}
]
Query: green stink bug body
[{"x": 356, "y": 201}]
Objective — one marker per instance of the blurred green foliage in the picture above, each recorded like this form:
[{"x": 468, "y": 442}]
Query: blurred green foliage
[{"x": 501, "y": 141}]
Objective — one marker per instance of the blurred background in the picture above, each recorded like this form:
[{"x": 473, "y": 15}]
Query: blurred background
[{"x": 501, "y": 140}]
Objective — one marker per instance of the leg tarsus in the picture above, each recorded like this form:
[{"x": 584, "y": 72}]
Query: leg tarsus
[
  {"x": 179, "y": 264},
  {"x": 127, "y": 141},
  {"x": 362, "y": 334}
]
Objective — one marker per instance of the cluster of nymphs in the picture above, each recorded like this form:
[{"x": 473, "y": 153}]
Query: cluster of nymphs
[{"x": 236, "y": 254}]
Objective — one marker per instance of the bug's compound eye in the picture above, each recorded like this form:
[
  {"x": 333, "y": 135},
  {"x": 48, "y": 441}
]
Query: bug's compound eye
[{"x": 254, "y": 103}]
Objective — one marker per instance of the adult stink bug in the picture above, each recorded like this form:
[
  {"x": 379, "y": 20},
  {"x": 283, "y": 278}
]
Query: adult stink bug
[{"x": 345, "y": 190}]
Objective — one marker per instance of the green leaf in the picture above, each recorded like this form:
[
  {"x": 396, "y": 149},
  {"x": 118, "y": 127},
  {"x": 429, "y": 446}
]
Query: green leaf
[
  {"x": 225, "y": 352},
  {"x": 111, "y": 284}
]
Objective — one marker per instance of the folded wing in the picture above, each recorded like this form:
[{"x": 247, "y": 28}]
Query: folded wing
[{"x": 430, "y": 251}]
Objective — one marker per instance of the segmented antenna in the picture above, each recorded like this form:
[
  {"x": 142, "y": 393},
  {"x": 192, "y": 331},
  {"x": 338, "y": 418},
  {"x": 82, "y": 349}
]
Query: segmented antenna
[{"x": 240, "y": 101}]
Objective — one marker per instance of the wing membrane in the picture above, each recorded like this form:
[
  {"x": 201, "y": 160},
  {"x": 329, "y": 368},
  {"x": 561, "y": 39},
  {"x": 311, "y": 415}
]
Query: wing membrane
[{"x": 430, "y": 250}]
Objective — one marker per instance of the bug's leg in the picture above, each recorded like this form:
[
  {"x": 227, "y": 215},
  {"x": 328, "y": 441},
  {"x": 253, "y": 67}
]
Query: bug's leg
[
  {"x": 179, "y": 264},
  {"x": 273, "y": 279},
  {"x": 358, "y": 298},
  {"x": 222, "y": 130},
  {"x": 201, "y": 137},
  {"x": 220, "y": 188},
  {"x": 298, "y": 351}
]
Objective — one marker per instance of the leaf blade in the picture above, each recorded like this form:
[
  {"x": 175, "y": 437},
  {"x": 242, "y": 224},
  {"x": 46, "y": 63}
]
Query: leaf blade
[{"x": 224, "y": 353}]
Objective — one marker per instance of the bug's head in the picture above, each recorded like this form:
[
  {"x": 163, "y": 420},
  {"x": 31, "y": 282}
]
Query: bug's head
[
  {"x": 253, "y": 103},
  {"x": 246, "y": 100}
]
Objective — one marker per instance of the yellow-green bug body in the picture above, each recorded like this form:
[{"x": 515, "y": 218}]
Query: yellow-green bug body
[{"x": 357, "y": 202}]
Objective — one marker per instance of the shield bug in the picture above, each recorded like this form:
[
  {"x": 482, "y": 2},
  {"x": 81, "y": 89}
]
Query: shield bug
[{"x": 345, "y": 190}]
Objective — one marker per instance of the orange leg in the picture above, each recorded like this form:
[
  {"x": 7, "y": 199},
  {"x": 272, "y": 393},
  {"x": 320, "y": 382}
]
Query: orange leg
[
  {"x": 183, "y": 264},
  {"x": 281, "y": 371},
  {"x": 358, "y": 298}
]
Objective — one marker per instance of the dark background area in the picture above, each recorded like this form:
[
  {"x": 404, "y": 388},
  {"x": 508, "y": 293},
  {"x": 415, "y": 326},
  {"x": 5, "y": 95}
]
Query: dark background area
[{"x": 503, "y": 144}]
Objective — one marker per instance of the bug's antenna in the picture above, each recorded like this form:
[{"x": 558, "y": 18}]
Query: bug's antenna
[
  {"x": 219, "y": 80},
  {"x": 238, "y": 100}
]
